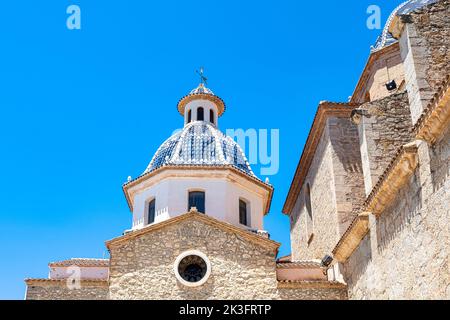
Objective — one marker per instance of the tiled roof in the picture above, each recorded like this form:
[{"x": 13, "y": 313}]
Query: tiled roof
[
  {"x": 81, "y": 262},
  {"x": 202, "y": 93},
  {"x": 286, "y": 258},
  {"x": 386, "y": 38},
  {"x": 201, "y": 144}
]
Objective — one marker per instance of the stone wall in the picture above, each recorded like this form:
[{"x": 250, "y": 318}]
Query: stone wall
[
  {"x": 384, "y": 125},
  {"x": 386, "y": 68},
  {"x": 425, "y": 50},
  {"x": 142, "y": 267},
  {"x": 335, "y": 179},
  {"x": 323, "y": 203},
  {"x": 336, "y": 293},
  {"x": 347, "y": 171},
  {"x": 58, "y": 290},
  {"x": 406, "y": 254}
]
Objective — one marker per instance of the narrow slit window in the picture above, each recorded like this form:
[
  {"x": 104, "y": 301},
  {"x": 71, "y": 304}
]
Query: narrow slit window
[
  {"x": 211, "y": 116},
  {"x": 243, "y": 213},
  {"x": 189, "y": 116},
  {"x": 151, "y": 212},
  {"x": 200, "y": 114},
  {"x": 309, "y": 218}
]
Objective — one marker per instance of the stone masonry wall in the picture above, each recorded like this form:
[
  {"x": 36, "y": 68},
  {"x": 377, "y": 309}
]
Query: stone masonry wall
[
  {"x": 336, "y": 180},
  {"x": 347, "y": 170},
  {"x": 384, "y": 126},
  {"x": 313, "y": 294},
  {"x": 59, "y": 291},
  {"x": 387, "y": 68},
  {"x": 323, "y": 203},
  {"x": 425, "y": 49},
  {"x": 142, "y": 267},
  {"x": 406, "y": 254}
]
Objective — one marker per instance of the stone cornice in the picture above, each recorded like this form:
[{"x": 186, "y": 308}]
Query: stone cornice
[
  {"x": 195, "y": 215},
  {"x": 298, "y": 265},
  {"x": 436, "y": 117},
  {"x": 63, "y": 282},
  {"x": 393, "y": 178},
  {"x": 81, "y": 262},
  {"x": 304, "y": 284},
  {"x": 352, "y": 237},
  {"x": 201, "y": 96},
  {"x": 324, "y": 111},
  {"x": 225, "y": 168}
]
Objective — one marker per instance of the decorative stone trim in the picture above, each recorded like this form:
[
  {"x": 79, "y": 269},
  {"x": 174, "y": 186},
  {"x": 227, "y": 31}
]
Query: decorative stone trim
[
  {"x": 63, "y": 282},
  {"x": 302, "y": 284},
  {"x": 325, "y": 110},
  {"x": 193, "y": 253},
  {"x": 298, "y": 265},
  {"x": 436, "y": 117},
  {"x": 184, "y": 168},
  {"x": 352, "y": 237},
  {"x": 80, "y": 262},
  {"x": 393, "y": 178},
  {"x": 201, "y": 96},
  {"x": 267, "y": 243}
]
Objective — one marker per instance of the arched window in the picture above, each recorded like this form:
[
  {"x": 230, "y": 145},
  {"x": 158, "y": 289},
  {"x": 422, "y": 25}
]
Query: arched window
[
  {"x": 200, "y": 114},
  {"x": 211, "y": 116},
  {"x": 197, "y": 199},
  {"x": 309, "y": 217},
  {"x": 243, "y": 213},
  {"x": 189, "y": 116},
  {"x": 151, "y": 212}
]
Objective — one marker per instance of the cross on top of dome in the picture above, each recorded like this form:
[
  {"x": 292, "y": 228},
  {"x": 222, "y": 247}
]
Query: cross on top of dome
[{"x": 201, "y": 92}]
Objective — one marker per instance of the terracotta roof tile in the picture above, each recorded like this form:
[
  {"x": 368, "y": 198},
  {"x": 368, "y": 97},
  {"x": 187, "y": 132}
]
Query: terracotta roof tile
[{"x": 81, "y": 262}]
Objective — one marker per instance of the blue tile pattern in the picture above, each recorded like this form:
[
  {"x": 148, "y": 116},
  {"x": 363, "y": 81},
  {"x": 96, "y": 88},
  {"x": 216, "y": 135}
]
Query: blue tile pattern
[
  {"x": 386, "y": 38},
  {"x": 200, "y": 143}
]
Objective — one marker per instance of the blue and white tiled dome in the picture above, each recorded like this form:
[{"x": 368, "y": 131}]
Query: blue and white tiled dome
[
  {"x": 386, "y": 38},
  {"x": 200, "y": 144}
]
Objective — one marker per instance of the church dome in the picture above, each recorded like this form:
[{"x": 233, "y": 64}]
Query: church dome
[
  {"x": 200, "y": 143},
  {"x": 386, "y": 38}
]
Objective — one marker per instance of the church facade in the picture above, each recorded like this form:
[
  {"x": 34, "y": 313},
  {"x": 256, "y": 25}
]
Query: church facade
[
  {"x": 372, "y": 191},
  {"x": 368, "y": 203}
]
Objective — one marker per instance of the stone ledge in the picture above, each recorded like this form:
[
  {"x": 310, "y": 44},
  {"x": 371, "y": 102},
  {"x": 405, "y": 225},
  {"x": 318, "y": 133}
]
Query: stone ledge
[
  {"x": 63, "y": 282},
  {"x": 298, "y": 265},
  {"x": 436, "y": 117},
  {"x": 393, "y": 178},
  {"x": 352, "y": 237},
  {"x": 289, "y": 284},
  {"x": 80, "y": 262}
]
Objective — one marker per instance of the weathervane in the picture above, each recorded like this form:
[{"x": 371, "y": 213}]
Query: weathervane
[{"x": 203, "y": 79}]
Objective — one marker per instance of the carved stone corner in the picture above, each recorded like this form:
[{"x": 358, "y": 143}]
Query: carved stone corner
[
  {"x": 395, "y": 176},
  {"x": 436, "y": 117},
  {"x": 351, "y": 239}
]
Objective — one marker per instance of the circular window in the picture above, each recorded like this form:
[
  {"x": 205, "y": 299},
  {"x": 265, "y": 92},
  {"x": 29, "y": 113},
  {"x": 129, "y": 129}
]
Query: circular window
[{"x": 192, "y": 268}]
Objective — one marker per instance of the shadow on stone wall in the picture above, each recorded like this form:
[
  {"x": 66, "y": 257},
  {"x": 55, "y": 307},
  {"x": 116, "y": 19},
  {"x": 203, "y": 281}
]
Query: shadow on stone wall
[
  {"x": 440, "y": 162},
  {"x": 397, "y": 216}
]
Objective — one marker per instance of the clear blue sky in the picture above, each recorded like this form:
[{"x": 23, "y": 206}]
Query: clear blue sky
[{"x": 83, "y": 109}]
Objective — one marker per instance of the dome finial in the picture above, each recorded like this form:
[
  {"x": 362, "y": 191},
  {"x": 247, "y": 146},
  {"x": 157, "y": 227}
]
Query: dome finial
[{"x": 203, "y": 79}]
